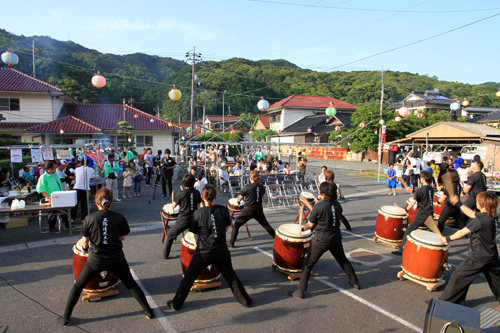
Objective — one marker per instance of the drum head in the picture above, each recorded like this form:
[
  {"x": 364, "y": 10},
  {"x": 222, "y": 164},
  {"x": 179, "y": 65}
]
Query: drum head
[
  {"x": 189, "y": 238},
  {"x": 427, "y": 237},
  {"x": 292, "y": 230},
  {"x": 439, "y": 194},
  {"x": 307, "y": 195},
  {"x": 393, "y": 210},
  {"x": 234, "y": 202},
  {"x": 168, "y": 209}
]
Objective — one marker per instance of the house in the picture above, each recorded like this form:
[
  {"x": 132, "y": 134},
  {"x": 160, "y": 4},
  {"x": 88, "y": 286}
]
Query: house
[
  {"x": 481, "y": 112},
  {"x": 263, "y": 122},
  {"x": 37, "y": 111},
  {"x": 491, "y": 119},
  {"x": 296, "y": 107},
  {"x": 426, "y": 101}
]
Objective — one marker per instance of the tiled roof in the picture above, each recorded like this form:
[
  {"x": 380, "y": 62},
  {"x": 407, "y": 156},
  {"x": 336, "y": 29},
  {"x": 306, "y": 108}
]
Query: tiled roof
[
  {"x": 14, "y": 80},
  {"x": 68, "y": 124},
  {"x": 478, "y": 129},
  {"x": 485, "y": 109},
  {"x": 494, "y": 116},
  {"x": 265, "y": 119},
  {"x": 424, "y": 97},
  {"x": 216, "y": 118},
  {"x": 17, "y": 126},
  {"x": 319, "y": 102},
  {"x": 317, "y": 123},
  {"x": 107, "y": 116}
]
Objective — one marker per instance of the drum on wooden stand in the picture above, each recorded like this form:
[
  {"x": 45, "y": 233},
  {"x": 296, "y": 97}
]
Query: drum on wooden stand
[
  {"x": 101, "y": 283},
  {"x": 169, "y": 212},
  {"x": 390, "y": 225},
  {"x": 234, "y": 205},
  {"x": 425, "y": 258},
  {"x": 307, "y": 196},
  {"x": 438, "y": 208},
  {"x": 209, "y": 274},
  {"x": 290, "y": 247},
  {"x": 412, "y": 211}
]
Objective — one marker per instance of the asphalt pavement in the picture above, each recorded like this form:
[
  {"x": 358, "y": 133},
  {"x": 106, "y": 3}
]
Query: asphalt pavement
[{"x": 39, "y": 267}]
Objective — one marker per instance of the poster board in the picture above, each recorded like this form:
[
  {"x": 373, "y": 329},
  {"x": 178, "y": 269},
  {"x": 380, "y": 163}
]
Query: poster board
[
  {"x": 47, "y": 154},
  {"x": 36, "y": 155},
  {"x": 63, "y": 154},
  {"x": 16, "y": 155}
]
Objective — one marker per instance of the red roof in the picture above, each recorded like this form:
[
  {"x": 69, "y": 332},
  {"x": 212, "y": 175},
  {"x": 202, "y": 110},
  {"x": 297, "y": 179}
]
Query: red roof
[
  {"x": 14, "y": 80},
  {"x": 217, "y": 119},
  {"x": 68, "y": 124},
  {"x": 107, "y": 116},
  {"x": 17, "y": 126},
  {"x": 264, "y": 118},
  {"x": 312, "y": 102}
]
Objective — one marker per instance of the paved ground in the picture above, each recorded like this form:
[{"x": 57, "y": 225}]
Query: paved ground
[{"x": 40, "y": 266}]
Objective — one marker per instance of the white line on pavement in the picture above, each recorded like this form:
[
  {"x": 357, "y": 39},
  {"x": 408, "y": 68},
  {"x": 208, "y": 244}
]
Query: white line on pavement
[
  {"x": 359, "y": 299},
  {"x": 158, "y": 313}
]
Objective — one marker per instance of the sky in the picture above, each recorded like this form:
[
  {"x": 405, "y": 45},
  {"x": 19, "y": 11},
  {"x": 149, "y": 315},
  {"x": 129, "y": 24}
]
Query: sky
[{"x": 322, "y": 35}]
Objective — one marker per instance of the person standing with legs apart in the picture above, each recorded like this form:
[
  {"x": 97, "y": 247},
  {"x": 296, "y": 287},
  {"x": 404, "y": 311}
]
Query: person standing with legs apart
[
  {"x": 483, "y": 253},
  {"x": 253, "y": 209},
  {"x": 325, "y": 221},
  {"x": 449, "y": 210},
  {"x": 209, "y": 226},
  {"x": 188, "y": 201},
  {"x": 167, "y": 164},
  {"x": 111, "y": 169},
  {"x": 103, "y": 233},
  {"x": 424, "y": 197}
]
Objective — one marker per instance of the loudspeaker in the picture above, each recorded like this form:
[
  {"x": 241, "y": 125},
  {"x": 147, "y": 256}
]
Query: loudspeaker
[{"x": 442, "y": 316}]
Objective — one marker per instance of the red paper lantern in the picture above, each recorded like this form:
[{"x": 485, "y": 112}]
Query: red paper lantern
[
  {"x": 279, "y": 131},
  {"x": 309, "y": 130},
  {"x": 397, "y": 119},
  {"x": 98, "y": 81},
  {"x": 337, "y": 128},
  {"x": 420, "y": 116},
  {"x": 362, "y": 124},
  {"x": 232, "y": 132},
  {"x": 136, "y": 116},
  {"x": 404, "y": 111}
]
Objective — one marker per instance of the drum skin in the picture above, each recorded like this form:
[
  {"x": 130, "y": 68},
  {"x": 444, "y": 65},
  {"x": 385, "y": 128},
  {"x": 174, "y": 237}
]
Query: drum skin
[
  {"x": 390, "y": 227},
  {"x": 97, "y": 284},
  {"x": 438, "y": 208},
  {"x": 411, "y": 211},
  {"x": 422, "y": 263},
  {"x": 289, "y": 256},
  {"x": 208, "y": 275}
]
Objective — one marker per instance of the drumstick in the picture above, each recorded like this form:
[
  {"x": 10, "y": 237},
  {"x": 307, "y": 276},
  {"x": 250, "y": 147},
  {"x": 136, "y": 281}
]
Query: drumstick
[
  {"x": 172, "y": 196},
  {"x": 300, "y": 220},
  {"x": 447, "y": 184},
  {"x": 432, "y": 225},
  {"x": 306, "y": 202},
  {"x": 396, "y": 205}
]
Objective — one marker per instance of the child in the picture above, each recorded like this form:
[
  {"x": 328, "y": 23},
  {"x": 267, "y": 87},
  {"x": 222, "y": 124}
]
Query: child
[
  {"x": 391, "y": 182},
  {"x": 424, "y": 196},
  {"x": 201, "y": 181},
  {"x": 127, "y": 182}
]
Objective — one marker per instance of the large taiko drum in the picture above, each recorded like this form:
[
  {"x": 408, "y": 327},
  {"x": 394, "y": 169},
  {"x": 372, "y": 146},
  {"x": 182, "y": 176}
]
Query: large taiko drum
[
  {"x": 391, "y": 224},
  {"x": 290, "y": 247},
  {"x": 170, "y": 212},
  {"x": 425, "y": 256},
  {"x": 102, "y": 282},
  {"x": 307, "y": 196},
  {"x": 438, "y": 208},
  {"x": 209, "y": 274},
  {"x": 412, "y": 211},
  {"x": 234, "y": 205}
]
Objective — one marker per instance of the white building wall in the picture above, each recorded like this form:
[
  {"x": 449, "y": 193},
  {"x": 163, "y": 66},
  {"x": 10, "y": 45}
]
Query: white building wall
[
  {"x": 35, "y": 108},
  {"x": 283, "y": 139}
]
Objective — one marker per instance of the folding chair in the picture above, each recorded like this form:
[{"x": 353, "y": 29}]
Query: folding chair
[
  {"x": 289, "y": 192},
  {"x": 234, "y": 188},
  {"x": 274, "y": 193},
  {"x": 40, "y": 215},
  {"x": 272, "y": 179}
]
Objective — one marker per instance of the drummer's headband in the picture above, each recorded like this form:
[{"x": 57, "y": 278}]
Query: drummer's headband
[{"x": 104, "y": 201}]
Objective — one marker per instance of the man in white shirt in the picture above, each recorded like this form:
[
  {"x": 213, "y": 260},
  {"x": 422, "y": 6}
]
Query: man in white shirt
[
  {"x": 61, "y": 165},
  {"x": 82, "y": 180},
  {"x": 148, "y": 161}
]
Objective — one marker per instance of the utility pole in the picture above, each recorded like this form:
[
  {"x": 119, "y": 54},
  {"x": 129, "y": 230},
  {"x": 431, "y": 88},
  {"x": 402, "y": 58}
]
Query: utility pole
[
  {"x": 223, "y": 95},
  {"x": 124, "y": 109},
  {"x": 192, "y": 57},
  {"x": 158, "y": 110},
  {"x": 33, "y": 53},
  {"x": 229, "y": 110},
  {"x": 380, "y": 136},
  {"x": 203, "y": 120}
]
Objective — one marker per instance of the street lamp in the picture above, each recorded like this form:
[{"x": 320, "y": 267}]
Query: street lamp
[{"x": 223, "y": 95}]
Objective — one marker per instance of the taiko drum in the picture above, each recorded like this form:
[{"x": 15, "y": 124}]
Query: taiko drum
[
  {"x": 209, "y": 274},
  {"x": 290, "y": 247},
  {"x": 425, "y": 256},
  {"x": 438, "y": 208},
  {"x": 102, "y": 282},
  {"x": 391, "y": 223},
  {"x": 412, "y": 211}
]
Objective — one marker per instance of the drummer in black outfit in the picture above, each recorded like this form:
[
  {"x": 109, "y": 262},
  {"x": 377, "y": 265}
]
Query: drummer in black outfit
[
  {"x": 449, "y": 209},
  {"x": 424, "y": 197},
  {"x": 329, "y": 177},
  {"x": 209, "y": 227},
  {"x": 475, "y": 185},
  {"x": 188, "y": 201},
  {"x": 104, "y": 231},
  {"x": 324, "y": 219},
  {"x": 167, "y": 164},
  {"x": 253, "y": 194},
  {"x": 483, "y": 253}
]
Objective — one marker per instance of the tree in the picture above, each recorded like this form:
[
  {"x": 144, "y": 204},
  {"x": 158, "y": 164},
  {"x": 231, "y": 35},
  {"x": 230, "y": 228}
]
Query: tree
[{"x": 258, "y": 136}]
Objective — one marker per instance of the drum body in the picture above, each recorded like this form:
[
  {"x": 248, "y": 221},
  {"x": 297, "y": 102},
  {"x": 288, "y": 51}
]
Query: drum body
[
  {"x": 438, "y": 208},
  {"x": 233, "y": 204},
  {"x": 290, "y": 248},
  {"x": 391, "y": 224},
  {"x": 102, "y": 282},
  {"x": 170, "y": 212},
  {"x": 424, "y": 256},
  {"x": 209, "y": 274},
  {"x": 308, "y": 196},
  {"x": 412, "y": 211}
]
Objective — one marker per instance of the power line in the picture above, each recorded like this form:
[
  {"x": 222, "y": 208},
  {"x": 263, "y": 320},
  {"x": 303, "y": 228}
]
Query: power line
[{"x": 374, "y": 10}]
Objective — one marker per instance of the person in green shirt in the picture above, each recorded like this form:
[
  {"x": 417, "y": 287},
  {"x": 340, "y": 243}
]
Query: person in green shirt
[
  {"x": 259, "y": 155},
  {"x": 126, "y": 155},
  {"x": 47, "y": 183},
  {"x": 111, "y": 169}
]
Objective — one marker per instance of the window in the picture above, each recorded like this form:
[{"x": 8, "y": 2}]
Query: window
[
  {"x": 9, "y": 104},
  {"x": 144, "y": 141}
]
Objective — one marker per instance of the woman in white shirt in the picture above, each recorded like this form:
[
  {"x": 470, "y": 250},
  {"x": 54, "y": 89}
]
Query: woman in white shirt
[
  {"x": 81, "y": 186},
  {"x": 262, "y": 165},
  {"x": 223, "y": 174},
  {"x": 201, "y": 181}
]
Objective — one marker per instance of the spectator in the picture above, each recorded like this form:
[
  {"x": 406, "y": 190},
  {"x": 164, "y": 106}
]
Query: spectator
[
  {"x": 26, "y": 175},
  {"x": 458, "y": 161},
  {"x": 111, "y": 169},
  {"x": 82, "y": 182},
  {"x": 201, "y": 181},
  {"x": 451, "y": 162},
  {"x": 148, "y": 160},
  {"x": 259, "y": 155},
  {"x": 137, "y": 177},
  {"x": 141, "y": 159},
  {"x": 126, "y": 155}
]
